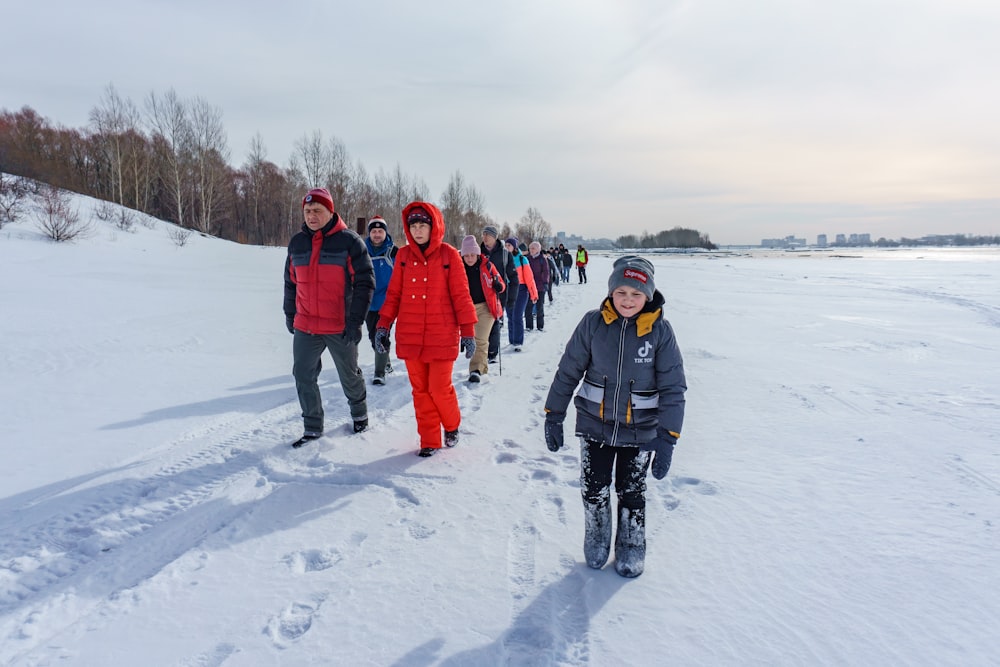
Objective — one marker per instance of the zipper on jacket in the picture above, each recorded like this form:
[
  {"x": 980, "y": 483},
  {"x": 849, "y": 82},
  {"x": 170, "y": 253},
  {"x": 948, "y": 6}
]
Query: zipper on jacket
[{"x": 618, "y": 381}]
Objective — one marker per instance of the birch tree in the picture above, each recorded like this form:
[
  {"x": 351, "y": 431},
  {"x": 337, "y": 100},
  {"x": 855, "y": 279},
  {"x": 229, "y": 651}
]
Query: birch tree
[
  {"x": 172, "y": 141},
  {"x": 210, "y": 157}
]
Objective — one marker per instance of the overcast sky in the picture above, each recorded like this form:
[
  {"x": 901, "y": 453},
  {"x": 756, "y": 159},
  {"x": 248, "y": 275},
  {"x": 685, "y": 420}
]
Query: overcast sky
[{"x": 744, "y": 120}]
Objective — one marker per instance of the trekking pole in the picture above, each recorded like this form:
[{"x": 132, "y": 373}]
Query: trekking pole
[{"x": 500, "y": 358}]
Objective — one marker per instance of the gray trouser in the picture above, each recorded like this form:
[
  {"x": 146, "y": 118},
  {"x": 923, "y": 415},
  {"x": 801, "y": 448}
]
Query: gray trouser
[{"x": 307, "y": 353}]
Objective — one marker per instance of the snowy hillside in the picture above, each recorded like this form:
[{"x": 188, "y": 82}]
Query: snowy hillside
[{"x": 835, "y": 496}]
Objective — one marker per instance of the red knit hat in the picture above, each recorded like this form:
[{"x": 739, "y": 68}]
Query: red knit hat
[{"x": 318, "y": 196}]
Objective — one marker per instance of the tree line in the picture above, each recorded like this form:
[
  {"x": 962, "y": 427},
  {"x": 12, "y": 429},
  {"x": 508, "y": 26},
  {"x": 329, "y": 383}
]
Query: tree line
[
  {"x": 169, "y": 158},
  {"x": 678, "y": 237}
]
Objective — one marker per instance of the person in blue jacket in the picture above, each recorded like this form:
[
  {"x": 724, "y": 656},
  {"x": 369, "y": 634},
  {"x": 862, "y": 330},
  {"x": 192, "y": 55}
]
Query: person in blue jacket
[
  {"x": 383, "y": 254},
  {"x": 629, "y": 409}
]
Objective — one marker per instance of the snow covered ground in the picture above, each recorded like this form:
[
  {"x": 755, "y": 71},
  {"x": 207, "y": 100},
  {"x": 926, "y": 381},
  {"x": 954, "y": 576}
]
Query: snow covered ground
[{"x": 835, "y": 497}]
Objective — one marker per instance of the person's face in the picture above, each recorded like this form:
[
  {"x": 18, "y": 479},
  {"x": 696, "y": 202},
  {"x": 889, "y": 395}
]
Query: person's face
[
  {"x": 489, "y": 241},
  {"x": 509, "y": 247},
  {"x": 421, "y": 232},
  {"x": 316, "y": 215},
  {"x": 377, "y": 235},
  {"x": 470, "y": 259},
  {"x": 628, "y": 300}
]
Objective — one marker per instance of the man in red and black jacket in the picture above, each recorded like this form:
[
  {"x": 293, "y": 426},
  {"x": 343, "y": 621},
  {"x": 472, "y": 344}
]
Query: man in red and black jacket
[{"x": 329, "y": 284}]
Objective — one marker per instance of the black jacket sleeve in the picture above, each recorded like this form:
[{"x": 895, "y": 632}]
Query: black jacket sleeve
[
  {"x": 512, "y": 280},
  {"x": 364, "y": 281},
  {"x": 289, "y": 304}
]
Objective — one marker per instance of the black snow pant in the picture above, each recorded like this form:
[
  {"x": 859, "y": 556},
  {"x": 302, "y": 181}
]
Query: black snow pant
[
  {"x": 628, "y": 465},
  {"x": 494, "y": 346}
]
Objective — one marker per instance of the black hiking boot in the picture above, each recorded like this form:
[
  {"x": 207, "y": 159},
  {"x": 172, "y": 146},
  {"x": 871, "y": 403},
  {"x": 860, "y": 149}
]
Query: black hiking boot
[
  {"x": 360, "y": 425},
  {"x": 451, "y": 438},
  {"x": 426, "y": 451},
  {"x": 306, "y": 437}
]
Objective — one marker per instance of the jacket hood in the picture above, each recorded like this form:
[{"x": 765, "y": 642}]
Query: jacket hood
[
  {"x": 437, "y": 225},
  {"x": 644, "y": 320}
]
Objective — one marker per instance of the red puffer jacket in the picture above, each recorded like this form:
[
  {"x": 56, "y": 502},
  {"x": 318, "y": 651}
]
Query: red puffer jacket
[
  {"x": 487, "y": 274},
  {"x": 329, "y": 279},
  {"x": 428, "y": 296}
]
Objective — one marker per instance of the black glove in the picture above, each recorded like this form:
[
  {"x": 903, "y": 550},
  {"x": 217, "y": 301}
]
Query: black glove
[
  {"x": 663, "y": 452},
  {"x": 290, "y": 323},
  {"x": 554, "y": 430},
  {"x": 382, "y": 340},
  {"x": 352, "y": 333},
  {"x": 497, "y": 285},
  {"x": 469, "y": 345}
]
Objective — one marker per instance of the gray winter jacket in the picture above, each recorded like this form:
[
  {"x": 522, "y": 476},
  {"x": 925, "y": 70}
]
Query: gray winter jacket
[{"x": 632, "y": 372}]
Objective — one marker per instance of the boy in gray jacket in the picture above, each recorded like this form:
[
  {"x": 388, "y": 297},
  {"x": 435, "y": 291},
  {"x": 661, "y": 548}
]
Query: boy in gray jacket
[{"x": 629, "y": 409}]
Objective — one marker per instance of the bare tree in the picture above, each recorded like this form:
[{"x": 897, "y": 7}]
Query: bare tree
[
  {"x": 453, "y": 205},
  {"x": 56, "y": 217},
  {"x": 117, "y": 131},
  {"x": 179, "y": 235},
  {"x": 533, "y": 227},
  {"x": 326, "y": 165},
  {"x": 309, "y": 159},
  {"x": 254, "y": 169},
  {"x": 169, "y": 118},
  {"x": 338, "y": 179},
  {"x": 463, "y": 207},
  {"x": 210, "y": 154},
  {"x": 13, "y": 197}
]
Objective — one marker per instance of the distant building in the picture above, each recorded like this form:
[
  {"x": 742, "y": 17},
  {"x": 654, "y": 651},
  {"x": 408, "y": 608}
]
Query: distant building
[
  {"x": 821, "y": 240},
  {"x": 841, "y": 239},
  {"x": 787, "y": 242}
]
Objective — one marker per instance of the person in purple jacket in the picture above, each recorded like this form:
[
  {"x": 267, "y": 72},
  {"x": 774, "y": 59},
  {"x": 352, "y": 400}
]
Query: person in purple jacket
[{"x": 540, "y": 270}]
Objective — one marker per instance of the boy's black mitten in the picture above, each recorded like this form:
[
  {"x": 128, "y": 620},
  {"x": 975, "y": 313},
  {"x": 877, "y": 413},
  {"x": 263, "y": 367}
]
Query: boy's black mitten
[
  {"x": 663, "y": 452},
  {"x": 290, "y": 323},
  {"x": 554, "y": 430}
]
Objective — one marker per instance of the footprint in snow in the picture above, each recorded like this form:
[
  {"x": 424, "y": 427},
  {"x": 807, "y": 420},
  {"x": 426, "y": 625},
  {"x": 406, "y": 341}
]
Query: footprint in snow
[
  {"x": 704, "y": 488},
  {"x": 312, "y": 560},
  {"x": 291, "y": 624}
]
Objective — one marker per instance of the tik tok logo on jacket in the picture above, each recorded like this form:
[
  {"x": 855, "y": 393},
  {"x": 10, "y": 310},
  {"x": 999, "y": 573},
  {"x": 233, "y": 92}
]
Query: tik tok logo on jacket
[{"x": 644, "y": 353}]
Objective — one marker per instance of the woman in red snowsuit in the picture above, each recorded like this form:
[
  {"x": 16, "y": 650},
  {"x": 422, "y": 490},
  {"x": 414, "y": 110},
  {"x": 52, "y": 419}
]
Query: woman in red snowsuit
[{"x": 428, "y": 299}]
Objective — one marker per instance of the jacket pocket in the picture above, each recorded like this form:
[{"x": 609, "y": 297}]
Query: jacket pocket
[
  {"x": 591, "y": 398},
  {"x": 643, "y": 406}
]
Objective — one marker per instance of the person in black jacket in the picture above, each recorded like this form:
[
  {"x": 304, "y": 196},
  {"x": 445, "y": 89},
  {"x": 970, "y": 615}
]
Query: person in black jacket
[{"x": 496, "y": 253}]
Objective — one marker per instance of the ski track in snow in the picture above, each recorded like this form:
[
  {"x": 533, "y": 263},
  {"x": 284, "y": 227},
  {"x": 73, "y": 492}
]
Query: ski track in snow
[
  {"x": 96, "y": 541},
  {"x": 85, "y": 547}
]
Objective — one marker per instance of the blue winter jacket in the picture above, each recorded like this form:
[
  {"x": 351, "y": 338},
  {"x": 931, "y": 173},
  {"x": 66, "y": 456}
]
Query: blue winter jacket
[
  {"x": 632, "y": 373},
  {"x": 382, "y": 260}
]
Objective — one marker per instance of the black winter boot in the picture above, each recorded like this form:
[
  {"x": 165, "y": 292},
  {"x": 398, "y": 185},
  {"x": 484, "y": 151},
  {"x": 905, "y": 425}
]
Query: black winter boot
[
  {"x": 597, "y": 536},
  {"x": 630, "y": 542}
]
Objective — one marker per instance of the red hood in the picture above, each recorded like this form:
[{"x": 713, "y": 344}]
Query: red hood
[{"x": 437, "y": 227}]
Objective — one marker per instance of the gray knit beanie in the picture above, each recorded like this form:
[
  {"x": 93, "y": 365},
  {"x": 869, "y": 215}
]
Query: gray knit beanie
[{"x": 632, "y": 271}]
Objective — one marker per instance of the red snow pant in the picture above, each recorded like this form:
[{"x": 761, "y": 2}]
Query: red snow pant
[{"x": 435, "y": 402}]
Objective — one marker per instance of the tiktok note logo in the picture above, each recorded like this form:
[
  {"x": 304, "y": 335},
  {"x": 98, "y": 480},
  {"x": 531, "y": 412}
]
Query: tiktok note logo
[{"x": 645, "y": 349}]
